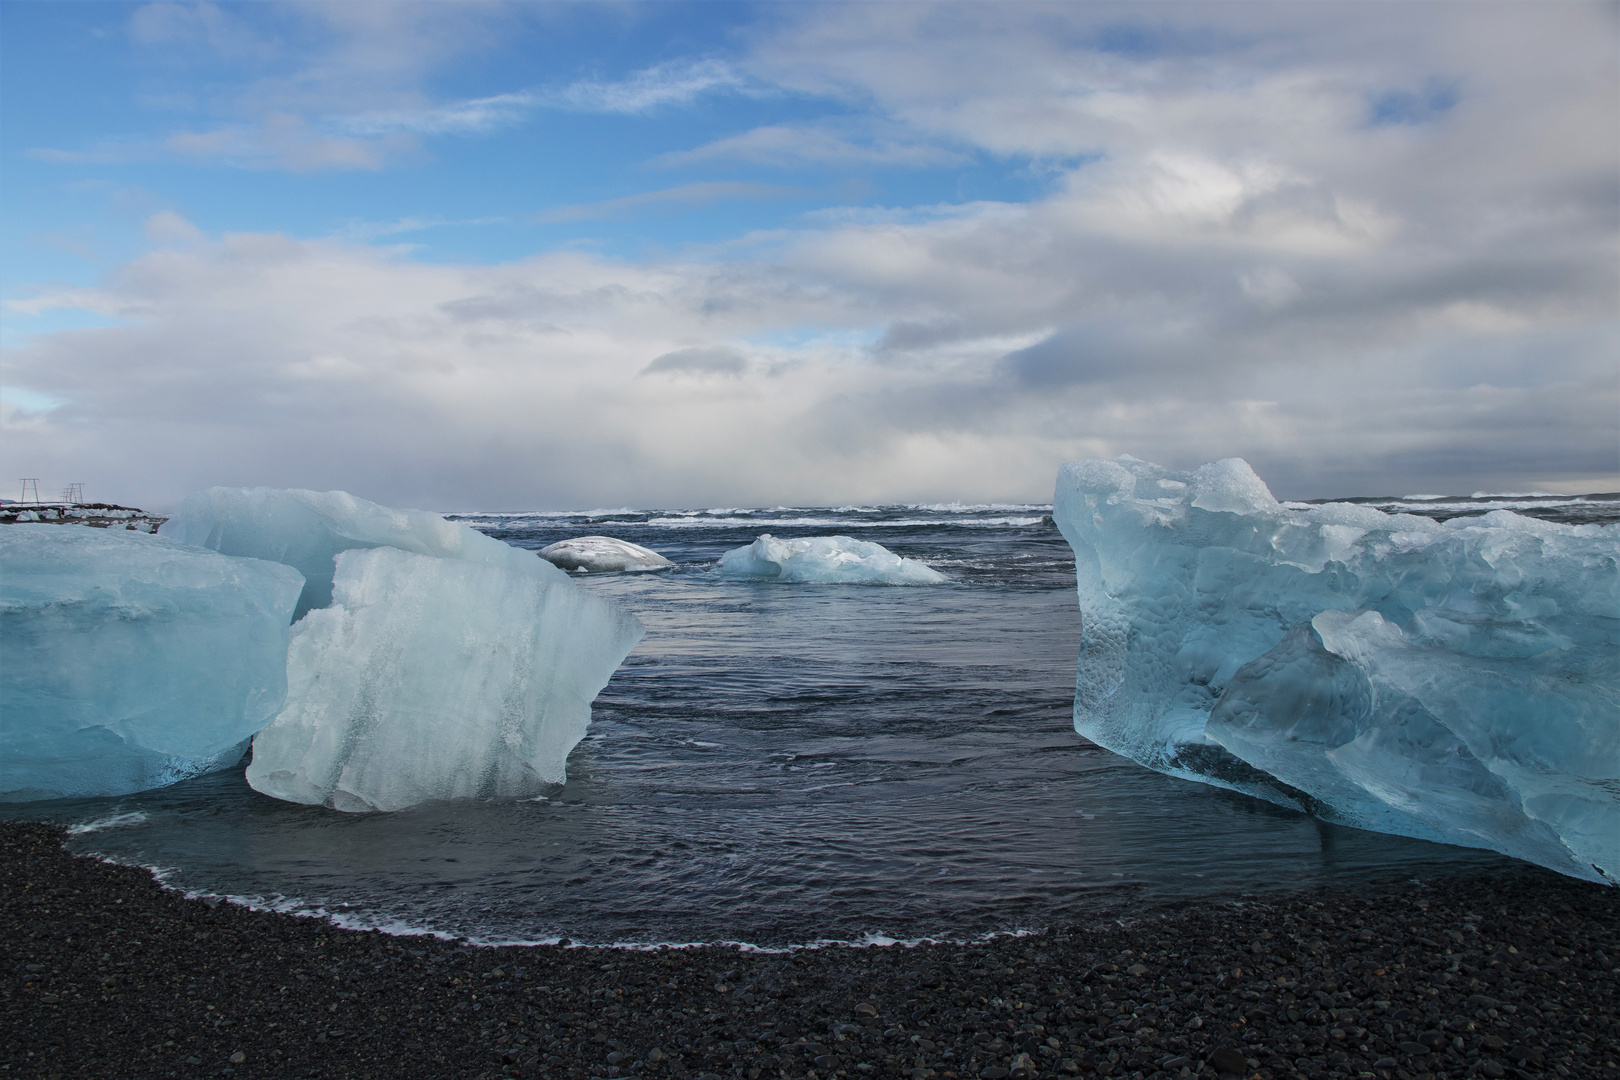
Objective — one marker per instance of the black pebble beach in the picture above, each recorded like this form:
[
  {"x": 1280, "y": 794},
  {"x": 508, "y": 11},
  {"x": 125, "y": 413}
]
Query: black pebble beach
[{"x": 107, "y": 974}]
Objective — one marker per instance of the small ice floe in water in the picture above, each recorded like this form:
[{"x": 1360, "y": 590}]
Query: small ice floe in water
[
  {"x": 1451, "y": 681},
  {"x": 602, "y": 555},
  {"x": 130, "y": 661},
  {"x": 832, "y": 559}
]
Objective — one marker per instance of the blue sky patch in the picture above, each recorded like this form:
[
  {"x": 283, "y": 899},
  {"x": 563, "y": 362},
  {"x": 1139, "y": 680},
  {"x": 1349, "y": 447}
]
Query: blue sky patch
[{"x": 1424, "y": 106}]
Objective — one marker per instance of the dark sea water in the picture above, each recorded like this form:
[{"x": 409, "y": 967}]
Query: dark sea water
[{"x": 786, "y": 763}]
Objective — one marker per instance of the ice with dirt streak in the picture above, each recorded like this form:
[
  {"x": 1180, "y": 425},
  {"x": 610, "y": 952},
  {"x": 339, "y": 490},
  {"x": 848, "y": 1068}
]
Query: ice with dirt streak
[
  {"x": 1455, "y": 681},
  {"x": 132, "y": 661},
  {"x": 827, "y": 560}
]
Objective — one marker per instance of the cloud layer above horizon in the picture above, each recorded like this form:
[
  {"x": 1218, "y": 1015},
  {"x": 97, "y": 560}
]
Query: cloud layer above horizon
[{"x": 567, "y": 256}]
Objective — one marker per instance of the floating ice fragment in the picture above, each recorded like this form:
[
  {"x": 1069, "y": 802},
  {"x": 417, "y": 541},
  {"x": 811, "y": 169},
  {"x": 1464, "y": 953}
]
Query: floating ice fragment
[
  {"x": 839, "y": 559},
  {"x": 132, "y": 661},
  {"x": 601, "y": 555},
  {"x": 452, "y": 665},
  {"x": 1458, "y": 682},
  {"x": 432, "y": 678},
  {"x": 307, "y": 529}
]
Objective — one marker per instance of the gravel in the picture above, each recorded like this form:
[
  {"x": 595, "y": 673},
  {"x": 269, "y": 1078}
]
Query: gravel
[{"x": 107, "y": 974}]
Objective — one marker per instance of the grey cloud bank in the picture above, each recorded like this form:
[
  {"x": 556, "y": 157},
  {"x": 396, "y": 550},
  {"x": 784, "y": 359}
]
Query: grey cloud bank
[{"x": 1367, "y": 255}]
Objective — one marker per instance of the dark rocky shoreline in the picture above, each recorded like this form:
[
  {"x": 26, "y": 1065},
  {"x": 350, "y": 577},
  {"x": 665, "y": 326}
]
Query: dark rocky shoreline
[{"x": 107, "y": 974}]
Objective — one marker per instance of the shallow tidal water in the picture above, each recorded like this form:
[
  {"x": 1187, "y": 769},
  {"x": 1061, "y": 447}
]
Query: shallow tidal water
[{"x": 784, "y": 764}]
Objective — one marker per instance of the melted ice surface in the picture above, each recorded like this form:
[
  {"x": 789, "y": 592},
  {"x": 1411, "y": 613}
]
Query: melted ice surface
[{"x": 1454, "y": 681}]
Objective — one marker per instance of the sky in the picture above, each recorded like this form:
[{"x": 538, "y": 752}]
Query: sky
[{"x": 550, "y": 255}]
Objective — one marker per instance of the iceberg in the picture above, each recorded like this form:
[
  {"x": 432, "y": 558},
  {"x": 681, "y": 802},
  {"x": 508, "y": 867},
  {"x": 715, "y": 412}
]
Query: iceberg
[
  {"x": 1456, "y": 681},
  {"x": 602, "y": 555},
  {"x": 827, "y": 559},
  {"x": 132, "y": 661},
  {"x": 436, "y": 678},
  {"x": 307, "y": 529},
  {"x": 429, "y": 661}
]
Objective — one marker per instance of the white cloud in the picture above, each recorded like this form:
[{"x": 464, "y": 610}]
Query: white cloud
[
  {"x": 794, "y": 145},
  {"x": 374, "y": 230},
  {"x": 1240, "y": 254},
  {"x": 353, "y": 96},
  {"x": 285, "y": 141},
  {"x": 336, "y": 364},
  {"x": 168, "y": 229},
  {"x": 700, "y": 361},
  {"x": 474, "y": 116},
  {"x": 189, "y": 26},
  {"x": 304, "y": 87},
  {"x": 665, "y": 84},
  {"x": 697, "y": 194}
]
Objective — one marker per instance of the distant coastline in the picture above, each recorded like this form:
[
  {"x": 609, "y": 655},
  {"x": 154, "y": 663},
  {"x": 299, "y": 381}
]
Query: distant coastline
[{"x": 95, "y": 515}]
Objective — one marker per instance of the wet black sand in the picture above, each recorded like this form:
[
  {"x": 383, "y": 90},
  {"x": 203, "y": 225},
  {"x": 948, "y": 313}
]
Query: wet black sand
[{"x": 106, "y": 974}]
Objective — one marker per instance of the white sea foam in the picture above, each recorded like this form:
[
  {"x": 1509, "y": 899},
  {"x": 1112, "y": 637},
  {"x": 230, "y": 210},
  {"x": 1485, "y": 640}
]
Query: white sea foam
[
  {"x": 981, "y": 508},
  {"x": 116, "y": 821},
  {"x": 1007, "y": 514},
  {"x": 360, "y": 919},
  {"x": 838, "y": 523},
  {"x": 538, "y": 515}
]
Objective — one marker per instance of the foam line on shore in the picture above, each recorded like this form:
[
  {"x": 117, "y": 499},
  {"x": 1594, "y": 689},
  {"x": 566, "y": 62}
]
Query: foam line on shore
[
  {"x": 1507, "y": 973},
  {"x": 357, "y": 921}
]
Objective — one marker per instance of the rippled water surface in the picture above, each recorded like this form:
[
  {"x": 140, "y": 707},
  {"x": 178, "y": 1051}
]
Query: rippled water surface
[{"x": 784, "y": 764}]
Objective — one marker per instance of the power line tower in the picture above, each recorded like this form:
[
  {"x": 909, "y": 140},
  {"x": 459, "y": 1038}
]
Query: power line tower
[
  {"x": 73, "y": 494},
  {"x": 30, "y": 483}
]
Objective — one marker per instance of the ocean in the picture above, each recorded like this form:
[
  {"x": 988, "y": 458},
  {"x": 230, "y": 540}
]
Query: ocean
[{"x": 792, "y": 764}]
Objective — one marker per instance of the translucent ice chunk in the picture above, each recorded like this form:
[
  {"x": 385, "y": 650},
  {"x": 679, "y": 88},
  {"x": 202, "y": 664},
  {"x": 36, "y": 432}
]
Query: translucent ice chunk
[
  {"x": 432, "y": 678},
  {"x": 601, "y": 555},
  {"x": 839, "y": 559},
  {"x": 132, "y": 661},
  {"x": 1455, "y": 681},
  {"x": 307, "y": 529}
]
